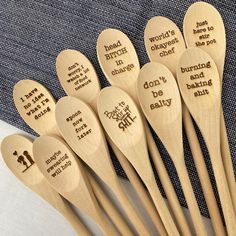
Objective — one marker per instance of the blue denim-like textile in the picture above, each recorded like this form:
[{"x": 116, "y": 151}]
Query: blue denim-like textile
[{"x": 32, "y": 33}]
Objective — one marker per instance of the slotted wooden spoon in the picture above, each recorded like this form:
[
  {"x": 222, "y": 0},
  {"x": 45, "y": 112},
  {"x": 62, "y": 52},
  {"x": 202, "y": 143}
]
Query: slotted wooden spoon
[
  {"x": 123, "y": 123},
  {"x": 203, "y": 27},
  {"x": 31, "y": 96},
  {"x": 199, "y": 84},
  {"x": 162, "y": 32},
  {"x": 160, "y": 100},
  {"x": 65, "y": 174},
  {"x": 119, "y": 62},
  {"x": 81, "y": 129},
  {"x": 86, "y": 86},
  {"x": 17, "y": 154}
]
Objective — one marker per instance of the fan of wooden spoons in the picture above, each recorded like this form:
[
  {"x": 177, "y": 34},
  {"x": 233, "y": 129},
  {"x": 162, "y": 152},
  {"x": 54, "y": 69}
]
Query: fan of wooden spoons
[
  {"x": 162, "y": 32},
  {"x": 124, "y": 75},
  {"x": 45, "y": 128},
  {"x": 81, "y": 129},
  {"x": 65, "y": 60},
  {"x": 204, "y": 28},
  {"x": 161, "y": 103},
  {"x": 123, "y": 123},
  {"x": 199, "y": 83}
]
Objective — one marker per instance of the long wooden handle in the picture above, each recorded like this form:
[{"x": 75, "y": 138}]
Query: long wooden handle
[
  {"x": 131, "y": 212},
  {"x": 162, "y": 208},
  {"x": 75, "y": 222},
  {"x": 109, "y": 207},
  {"x": 139, "y": 189},
  {"x": 227, "y": 160},
  {"x": 167, "y": 185},
  {"x": 223, "y": 190},
  {"x": 44, "y": 190},
  {"x": 190, "y": 199},
  {"x": 203, "y": 173}
]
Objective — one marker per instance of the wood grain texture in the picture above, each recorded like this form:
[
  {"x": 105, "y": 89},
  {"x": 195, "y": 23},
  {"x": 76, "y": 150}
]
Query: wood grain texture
[
  {"x": 160, "y": 100},
  {"x": 17, "y": 154},
  {"x": 66, "y": 60},
  {"x": 81, "y": 129},
  {"x": 123, "y": 123},
  {"x": 209, "y": 25},
  {"x": 127, "y": 81},
  {"x": 162, "y": 32},
  {"x": 199, "y": 84}
]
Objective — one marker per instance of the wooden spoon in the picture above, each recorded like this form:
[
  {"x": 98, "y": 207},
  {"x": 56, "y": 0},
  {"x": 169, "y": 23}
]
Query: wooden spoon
[
  {"x": 81, "y": 129},
  {"x": 199, "y": 83},
  {"x": 162, "y": 31},
  {"x": 119, "y": 62},
  {"x": 123, "y": 123},
  {"x": 47, "y": 125},
  {"x": 65, "y": 174},
  {"x": 160, "y": 100},
  {"x": 17, "y": 154},
  {"x": 204, "y": 28},
  {"x": 164, "y": 42},
  {"x": 88, "y": 93}
]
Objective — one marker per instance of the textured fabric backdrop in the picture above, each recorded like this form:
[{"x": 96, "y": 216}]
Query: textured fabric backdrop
[{"x": 32, "y": 33}]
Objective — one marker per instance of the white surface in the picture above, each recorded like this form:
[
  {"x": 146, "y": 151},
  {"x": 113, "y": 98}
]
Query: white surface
[{"x": 23, "y": 213}]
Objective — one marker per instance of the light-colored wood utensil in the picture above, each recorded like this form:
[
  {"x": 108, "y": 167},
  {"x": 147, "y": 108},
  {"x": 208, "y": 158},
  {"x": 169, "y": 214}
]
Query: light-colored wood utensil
[
  {"x": 119, "y": 62},
  {"x": 203, "y": 27},
  {"x": 165, "y": 44},
  {"x": 86, "y": 86},
  {"x": 199, "y": 84},
  {"x": 81, "y": 129},
  {"x": 35, "y": 102},
  {"x": 65, "y": 174},
  {"x": 123, "y": 123},
  {"x": 17, "y": 154},
  {"x": 160, "y": 100}
]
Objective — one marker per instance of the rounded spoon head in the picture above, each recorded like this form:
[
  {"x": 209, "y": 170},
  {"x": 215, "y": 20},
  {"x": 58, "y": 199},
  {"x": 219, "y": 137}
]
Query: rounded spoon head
[
  {"x": 117, "y": 58},
  {"x": 36, "y": 106},
  {"x": 203, "y": 27},
  {"x": 158, "y": 95},
  {"x": 160, "y": 100},
  {"x": 164, "y": 42},
  {"x": 79, "y": 126},
  {"x": 57, "y": 163},
  {"x": 17, "y": 154},
  {"x": 77, "y": 75},
  {"x": 199, "y": 83},
  {"x": 120, "y": 117}
]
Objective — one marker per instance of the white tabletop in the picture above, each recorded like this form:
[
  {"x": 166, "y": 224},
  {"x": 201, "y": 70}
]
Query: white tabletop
[{"x": 23, "y": 213}]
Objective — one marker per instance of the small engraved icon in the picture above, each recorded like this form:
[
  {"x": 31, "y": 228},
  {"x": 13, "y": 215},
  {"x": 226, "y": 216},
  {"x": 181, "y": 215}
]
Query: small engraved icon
[
  {"x": 25, "y": 159},
  {"x": 122, "y": 115}
]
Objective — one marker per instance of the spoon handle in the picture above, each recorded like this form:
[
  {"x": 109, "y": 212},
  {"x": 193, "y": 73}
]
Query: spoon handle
[
  {"x": 190, "y": 198},
  {"x": 110, "y": 209},
  {"x": 162, "y": 207},
  {"x": 130, "y": 211},
  {"x": 227, "y": 160},
  {"x": 203, "y": 173},
  {"x": 76, "y": 223},
  {"x": 222, "y": 186},
  {"x": 51, "y": 196},
  {"x": 166, "y": 183},
  {"x": 139, "y": 188}
]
